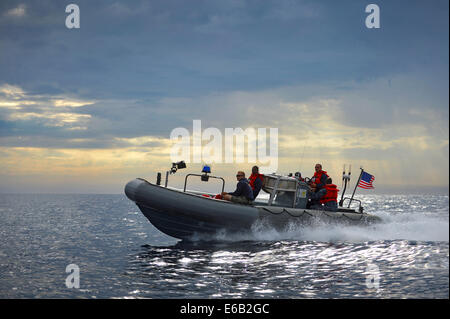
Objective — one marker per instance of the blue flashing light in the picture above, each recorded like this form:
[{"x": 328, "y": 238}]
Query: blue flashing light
[{"x": 206, "y": 169}]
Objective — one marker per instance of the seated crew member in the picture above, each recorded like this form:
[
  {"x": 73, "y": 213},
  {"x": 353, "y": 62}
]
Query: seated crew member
[
  {"x": 327, "y": 196},
  {"x": 329, "y": 199},
  {"x": 243, "y": 193},
  {"x": 256, "y": 181},
  {"x": 319, "y": 179}
]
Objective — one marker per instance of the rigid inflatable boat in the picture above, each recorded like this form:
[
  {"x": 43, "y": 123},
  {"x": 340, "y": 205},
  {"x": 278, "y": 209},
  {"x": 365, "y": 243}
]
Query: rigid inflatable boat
[{"x": 191, "y": 215}]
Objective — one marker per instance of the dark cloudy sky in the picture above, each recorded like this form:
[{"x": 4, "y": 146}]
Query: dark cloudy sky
[{"x": 85, "y": 110}]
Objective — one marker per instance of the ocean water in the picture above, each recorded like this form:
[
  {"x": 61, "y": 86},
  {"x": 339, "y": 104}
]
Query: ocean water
[{"x": 119, "y": 254}]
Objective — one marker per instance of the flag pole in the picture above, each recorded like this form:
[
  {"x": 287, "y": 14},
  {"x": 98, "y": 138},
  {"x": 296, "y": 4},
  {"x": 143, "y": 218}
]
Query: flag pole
[{"x": 351, "y": 199}]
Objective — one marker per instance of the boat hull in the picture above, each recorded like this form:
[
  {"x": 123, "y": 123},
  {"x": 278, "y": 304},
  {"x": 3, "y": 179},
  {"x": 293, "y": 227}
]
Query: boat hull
[{"x": 188, "y": 216}]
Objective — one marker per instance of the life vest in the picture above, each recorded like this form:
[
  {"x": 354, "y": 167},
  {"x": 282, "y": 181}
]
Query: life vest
[
  {"x": 253, "y": 178},
  {"x": 318, "y": 176},
  {"x": 331, "y": 194}
]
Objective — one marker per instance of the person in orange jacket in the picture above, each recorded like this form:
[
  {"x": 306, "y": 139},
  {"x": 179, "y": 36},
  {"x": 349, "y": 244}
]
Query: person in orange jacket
[
  {"x": 256, "y": 181},
  {"x": 329, "y": 200},
  {"x": 319, "y": 179},
  {"x": 327, "y": 197}
]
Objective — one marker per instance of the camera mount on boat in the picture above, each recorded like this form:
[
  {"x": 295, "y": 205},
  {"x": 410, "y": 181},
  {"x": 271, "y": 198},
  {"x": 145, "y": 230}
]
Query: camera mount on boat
[{"x": 176, "y": 166}]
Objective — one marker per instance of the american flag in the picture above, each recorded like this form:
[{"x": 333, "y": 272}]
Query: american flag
[{"x": 366, "y": 181}]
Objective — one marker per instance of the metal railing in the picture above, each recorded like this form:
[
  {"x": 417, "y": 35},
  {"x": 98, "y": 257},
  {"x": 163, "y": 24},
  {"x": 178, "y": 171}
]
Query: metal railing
[{"x": 203, "y": 176}]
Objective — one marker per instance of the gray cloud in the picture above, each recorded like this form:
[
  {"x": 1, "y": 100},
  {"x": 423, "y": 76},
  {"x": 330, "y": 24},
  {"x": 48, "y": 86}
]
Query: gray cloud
[{"x": 174, "y": 48}]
